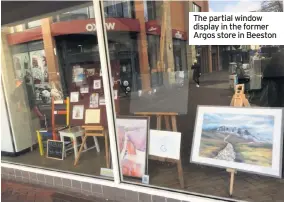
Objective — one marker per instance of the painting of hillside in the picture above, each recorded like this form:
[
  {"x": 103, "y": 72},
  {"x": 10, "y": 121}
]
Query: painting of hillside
[{"x": 239, "y": 138}]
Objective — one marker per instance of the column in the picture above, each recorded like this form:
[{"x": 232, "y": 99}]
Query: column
[
  {"x": 210, "y": 58},
  {"x": 142, "y": 47},
  {"x": 51, "y": 58},
  {"x": 169, "y": 56}
]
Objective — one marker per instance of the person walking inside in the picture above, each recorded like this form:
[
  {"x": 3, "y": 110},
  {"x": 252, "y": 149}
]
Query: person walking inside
[{"x": 196, "y": 72}]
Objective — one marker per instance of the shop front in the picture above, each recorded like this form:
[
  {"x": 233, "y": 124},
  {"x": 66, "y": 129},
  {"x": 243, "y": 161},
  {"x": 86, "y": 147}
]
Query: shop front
[{"x": 78, "y": 131}]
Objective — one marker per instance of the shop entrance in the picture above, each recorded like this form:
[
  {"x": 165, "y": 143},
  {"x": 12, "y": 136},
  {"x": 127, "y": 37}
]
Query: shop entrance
[{"x": 73, "y": 50}]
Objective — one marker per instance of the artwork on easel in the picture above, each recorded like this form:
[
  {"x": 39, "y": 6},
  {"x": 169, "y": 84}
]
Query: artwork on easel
[
  {"x": 93, "y": 116},
  {"x": 94, "y": 100},
  {"x": 78, "y": 112},
  {"x": 132, "y": 135},
  {"x": 247, "y": 139},
  {"x": 97, "y": 84},
  {"x": 74, "y": 97}
]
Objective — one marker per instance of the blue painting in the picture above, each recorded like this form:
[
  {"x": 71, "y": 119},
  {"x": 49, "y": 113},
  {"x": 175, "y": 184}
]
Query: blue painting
[{"x": 240, "y": 138}]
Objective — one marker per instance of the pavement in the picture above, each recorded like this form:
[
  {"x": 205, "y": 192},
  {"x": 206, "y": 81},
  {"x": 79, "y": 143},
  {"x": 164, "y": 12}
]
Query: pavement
[{"x": 19, "y": 192}]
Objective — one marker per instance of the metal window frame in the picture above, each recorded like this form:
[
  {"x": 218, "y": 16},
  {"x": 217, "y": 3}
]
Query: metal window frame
[{"x": 111, "y": 118}]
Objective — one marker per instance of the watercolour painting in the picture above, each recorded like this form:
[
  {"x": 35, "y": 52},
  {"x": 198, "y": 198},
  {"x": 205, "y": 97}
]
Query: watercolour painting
[
  {"x": 247, "y": 139},
  {"x": 132, "y": 135}
]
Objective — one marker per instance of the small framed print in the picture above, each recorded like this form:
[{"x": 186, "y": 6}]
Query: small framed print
[
  {"x": 145, "y": 179},
  {"x": 84, "y": 89},
  {"x": 115, "y": 92},
  {"x": 94, "y": 100},
  {"x": 74, "y": 97},
  {"x": 90, "y": 72},
  {"x": 97, "y": 84},
  {"x": 102, "y": 101},
  {"x": 78, "y": 112}
]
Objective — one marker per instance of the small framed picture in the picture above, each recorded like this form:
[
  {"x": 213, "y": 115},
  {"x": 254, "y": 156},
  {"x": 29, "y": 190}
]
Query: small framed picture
[
  {"x": 74, "y": 97},
  {"x": 78, "y": 112},
  {"x": 90, "y": 72},
  {"x": 102, "y": 101},
  {"x": 115, "y": 92},
  {"x": 84, "y": 89},
  {"x": 97, "y": 84},
  {"x": 94, "y": 100}
]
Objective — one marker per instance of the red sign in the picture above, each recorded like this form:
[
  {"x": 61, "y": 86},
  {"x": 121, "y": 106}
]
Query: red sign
[
  {"x": 89, "y": 25},
  {"x": 152, "y": 27},
  {"x": 75, "y": 27}
]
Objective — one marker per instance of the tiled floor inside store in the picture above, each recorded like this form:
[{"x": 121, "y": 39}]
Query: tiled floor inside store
[{"x": 199, "y": 179}]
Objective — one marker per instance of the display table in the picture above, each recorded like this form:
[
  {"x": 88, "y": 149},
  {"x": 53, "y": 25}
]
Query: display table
[{"x": 74, "y": 133}]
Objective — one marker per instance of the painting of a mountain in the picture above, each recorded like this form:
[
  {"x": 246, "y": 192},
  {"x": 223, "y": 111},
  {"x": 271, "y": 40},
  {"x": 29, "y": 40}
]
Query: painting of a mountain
[
  {"x": 242, "y": 138},
  {"x": 239, "y": 138}
]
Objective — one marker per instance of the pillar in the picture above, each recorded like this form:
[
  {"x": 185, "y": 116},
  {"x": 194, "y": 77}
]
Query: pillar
[
  {"x": 209, "y": 58},
  {"x": 142, "y": 47},
  {"x": 51, "y": 58}
]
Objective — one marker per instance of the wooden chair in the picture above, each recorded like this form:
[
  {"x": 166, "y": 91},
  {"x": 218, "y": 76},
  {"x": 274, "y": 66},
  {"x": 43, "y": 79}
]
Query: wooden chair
[
  {"x": 94, "y": 131},
  {"x": 54, "y": 129}
]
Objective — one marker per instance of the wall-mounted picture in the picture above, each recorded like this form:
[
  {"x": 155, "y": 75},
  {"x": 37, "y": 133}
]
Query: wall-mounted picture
[
  {"x": 94, "y": 100},
  {"x": 78, "y": 112},
  {"x": 78, "y": 74},
  {"x": 74, "y": 97},
  {"x": 247, "y": 139},
  {"x": 102, "y": 100},
  {"x": 97, "y": 84},
  {"x": 132, "y": 135},
  {"x": 22, "y": 66},
  {"x": 90, "y": 72},
  {"x": 84, "y": 89}
]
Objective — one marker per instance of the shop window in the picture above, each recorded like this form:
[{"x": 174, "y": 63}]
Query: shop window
[
  {"x": 118, "y": 9},
  {"x": 151, "y": 10},
  {"x": 78, "y": 14},
  {"x": 36, "y": 23},
  {"x": 180, "y": 55},
  {"x": 196, "y": 8},
  {"x": 153, "y": 43},
  {"x": 41, "y": 114}
]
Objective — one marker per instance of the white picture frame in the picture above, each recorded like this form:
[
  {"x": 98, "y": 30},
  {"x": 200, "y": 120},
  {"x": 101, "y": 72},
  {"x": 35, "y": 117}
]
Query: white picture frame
[
  {"x": 84, "y": 89},
  {"x": 74, "y": 97},
  {"x": 97, "y": 84},
  {"x": 78, "y": 112},
  {"x": 245, "y": 139}
]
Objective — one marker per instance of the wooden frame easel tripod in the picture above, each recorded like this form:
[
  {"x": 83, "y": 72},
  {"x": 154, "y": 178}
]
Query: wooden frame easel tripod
[
  {"x": 167, "y": 116},
  {"x": 239, "y": 100}
]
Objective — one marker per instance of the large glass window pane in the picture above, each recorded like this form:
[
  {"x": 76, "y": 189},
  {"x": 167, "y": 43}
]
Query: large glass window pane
[
  {"x": 176, "y": 103},
  {"x": 54, "y": 94}
]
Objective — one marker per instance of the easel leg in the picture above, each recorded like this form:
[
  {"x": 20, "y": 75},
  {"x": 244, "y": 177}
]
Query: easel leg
[
  {"x": 180, "y": 174},
  {"x": 80, "y": 151},
  {"x": 107, "y": 149},
  {"x": 232, "y": 180},
  {"x": 159, "y": 122},
  {"x": 167, "y": 120},
  {"x": 174, "y": 122}
]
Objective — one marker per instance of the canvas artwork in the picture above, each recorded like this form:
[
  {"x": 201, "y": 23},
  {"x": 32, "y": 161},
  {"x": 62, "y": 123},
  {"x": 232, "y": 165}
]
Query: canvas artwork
[
  {"x": 94, "y": 100},
  {"x": 248, "y": 139},
  {"x": 132, "y": 138},
  {"x": 78, "y": 112}
]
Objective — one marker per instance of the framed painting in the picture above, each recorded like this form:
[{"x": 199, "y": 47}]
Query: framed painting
[
  {"x": 245, "y": 139},
  {"x": 132, "y": 136}
]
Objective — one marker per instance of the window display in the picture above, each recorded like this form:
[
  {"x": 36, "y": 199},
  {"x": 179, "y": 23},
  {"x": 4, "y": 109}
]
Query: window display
[{"x": 141, "y": 118}]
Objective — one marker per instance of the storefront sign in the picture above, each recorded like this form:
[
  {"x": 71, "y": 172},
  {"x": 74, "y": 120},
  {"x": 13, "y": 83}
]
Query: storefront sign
[
  {"x": 152, "y": 27},
  {"x": 92, "y": 26}
]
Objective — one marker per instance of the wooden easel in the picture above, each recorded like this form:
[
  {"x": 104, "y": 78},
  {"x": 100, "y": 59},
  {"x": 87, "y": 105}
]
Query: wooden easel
[
  {"x": 167, "y": 116},
  {"x": 239, "y": 100},
  {"x": 94, "y": 131}
]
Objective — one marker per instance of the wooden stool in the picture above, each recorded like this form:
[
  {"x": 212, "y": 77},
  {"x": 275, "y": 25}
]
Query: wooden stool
[
  {"x": 170, "y": 127},
  {"x": 94, "y": 131}
]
